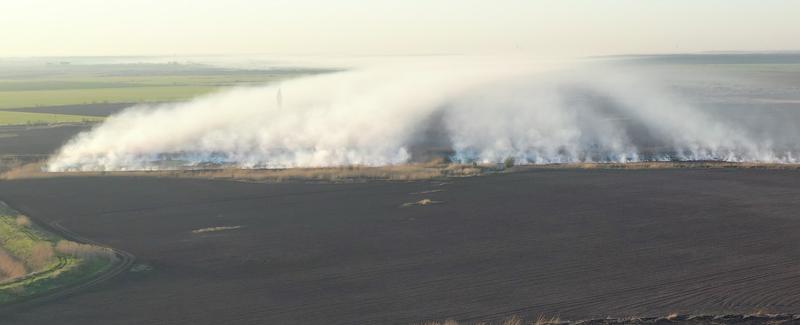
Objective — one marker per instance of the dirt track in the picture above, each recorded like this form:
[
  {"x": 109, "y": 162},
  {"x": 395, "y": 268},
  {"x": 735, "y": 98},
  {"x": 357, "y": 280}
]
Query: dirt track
[{"x": 577, "y": 243}]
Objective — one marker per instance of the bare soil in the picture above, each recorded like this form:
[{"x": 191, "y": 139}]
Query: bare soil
[{"x": 577, "y": 243}]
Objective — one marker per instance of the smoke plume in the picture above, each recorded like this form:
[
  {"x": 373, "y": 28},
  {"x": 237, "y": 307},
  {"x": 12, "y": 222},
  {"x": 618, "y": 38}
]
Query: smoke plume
[{"x": 391, "y": 114}]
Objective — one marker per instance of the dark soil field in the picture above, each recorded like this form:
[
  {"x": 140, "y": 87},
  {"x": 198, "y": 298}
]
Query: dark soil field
[
  {"x": 573, "y": 243},
  {"x": 104, "y": 109},
  {"x": 22, "y": 140}
]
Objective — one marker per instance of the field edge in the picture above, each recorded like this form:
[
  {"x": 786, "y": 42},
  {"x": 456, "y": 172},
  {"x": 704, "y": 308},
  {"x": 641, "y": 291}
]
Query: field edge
[{"x": 99, "y": 272}]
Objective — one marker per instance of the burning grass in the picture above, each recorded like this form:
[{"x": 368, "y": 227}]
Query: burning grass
[
  {"x": 437, "y": 169},
  {"x": 407, "y": 172},
  {"x": 669, "y": 165}
]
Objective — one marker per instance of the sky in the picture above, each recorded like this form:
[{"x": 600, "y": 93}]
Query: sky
[{"x": 394, "y": 27}]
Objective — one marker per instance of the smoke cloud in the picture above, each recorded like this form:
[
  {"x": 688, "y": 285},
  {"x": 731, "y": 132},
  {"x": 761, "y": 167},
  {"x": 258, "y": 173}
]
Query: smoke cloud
[{"x": 480, "y": 112}]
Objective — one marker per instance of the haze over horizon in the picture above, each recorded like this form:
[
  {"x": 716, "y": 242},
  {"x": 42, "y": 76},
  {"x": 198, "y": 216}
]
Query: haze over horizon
[
  {"x": 357, "y": 27},
  {"x": 437, "y": 162}
]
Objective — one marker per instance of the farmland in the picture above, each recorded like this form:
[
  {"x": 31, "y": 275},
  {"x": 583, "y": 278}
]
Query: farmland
[
  {"x": 34, "y": 262},
  {"x": 16, "y": 118},
  {"x": 143, "y": 94},
  {"x": 425, "y": 241},
  {"x": 30, "y": 88},
  {"x": 577, "y": 243},
  {"x": 574, "y": 242}
]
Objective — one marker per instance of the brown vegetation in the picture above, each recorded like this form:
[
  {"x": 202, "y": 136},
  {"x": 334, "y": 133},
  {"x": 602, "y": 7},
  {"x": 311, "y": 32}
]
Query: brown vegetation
[
  {"x": 407, "y": 172},
  {"x": 514, "y": 320},
  {"x": 23, "y": 221},
  {"x": 446, "y": 322},
  {"x": 10, "y": 267},
  {"x": 673, "y": 318},
  {"x": 9, "y": 163},
  {"x": 544, "y": 320},
  {"x": 437, "y": 168},
  {"x": 42, "y": 254},
  {"x": 83, "y": 250},
  {"x": 670, "y": 165}
]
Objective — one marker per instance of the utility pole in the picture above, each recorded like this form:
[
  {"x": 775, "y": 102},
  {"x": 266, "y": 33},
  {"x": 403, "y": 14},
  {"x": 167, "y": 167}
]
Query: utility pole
[{"x": 279, "y": 99}]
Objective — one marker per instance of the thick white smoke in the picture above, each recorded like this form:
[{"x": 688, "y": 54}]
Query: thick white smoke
[{"x": 486, "y": 112}]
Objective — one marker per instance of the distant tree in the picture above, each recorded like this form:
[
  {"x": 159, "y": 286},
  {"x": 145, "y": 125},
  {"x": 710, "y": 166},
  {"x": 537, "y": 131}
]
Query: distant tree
[{"x": 509, "y": 162}]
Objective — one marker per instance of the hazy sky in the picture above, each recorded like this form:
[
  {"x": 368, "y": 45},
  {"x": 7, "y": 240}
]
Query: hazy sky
[{"x": 546, "y": 28}]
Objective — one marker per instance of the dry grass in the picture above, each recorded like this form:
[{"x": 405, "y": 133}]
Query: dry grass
[
  {"x": 446, "y": 322},
  {"x": 10, "y": 267},
  {"x": 674, "y": 318},
  {"x": 407, "y": 172},
  {"x": 214, "y": 229},
  {"x": 760, "y": 312},
  {"x": 42, "y": 254},
  {"x": 544, "y": 320},
  {"x": 670, "y": 165},
  {"x": 9, "y": 163},
  {"x": 435, "y": 169},
  {"x": 23, "y": 221},
  {"x": 464, "y": 170},
  {"x": 79, "y": 250},
  {"x": 397, "y": 173},
  {"x": 514, "y": 320},
  {"x": 33, "y": 170}
]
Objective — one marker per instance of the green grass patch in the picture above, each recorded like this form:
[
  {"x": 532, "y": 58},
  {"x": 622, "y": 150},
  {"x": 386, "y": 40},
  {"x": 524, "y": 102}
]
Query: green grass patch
[
  {"x": 24, "y": 241},
  {"x": 212, "y": 80},
  {"x": 16, "y": 239},
  {"x": 87, "y": 87},
  {"x": 33, "y": 83},
  {"x": 75, "y": 271},
  {"x": 33, "y": 98},
  {"x": 36, "y": 85},
  {"x": 18, "y": 118}
]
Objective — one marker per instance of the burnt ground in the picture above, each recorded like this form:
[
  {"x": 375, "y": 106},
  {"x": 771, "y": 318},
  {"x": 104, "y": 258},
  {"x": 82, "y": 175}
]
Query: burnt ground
[
  {"x": 36, "y": 140},
  {"x": 575, "y": 243},
  {"x": 21, "y": 144}
]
